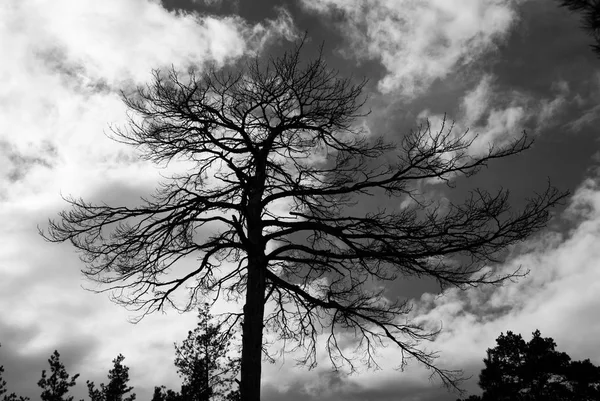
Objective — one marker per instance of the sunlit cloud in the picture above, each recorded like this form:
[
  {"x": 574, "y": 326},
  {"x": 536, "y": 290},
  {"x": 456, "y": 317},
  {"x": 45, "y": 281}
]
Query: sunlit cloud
[
  {"x": 67, "y": 62},
  {"x": 419, "y": 41},
  {"x": 492, "y": 116}
]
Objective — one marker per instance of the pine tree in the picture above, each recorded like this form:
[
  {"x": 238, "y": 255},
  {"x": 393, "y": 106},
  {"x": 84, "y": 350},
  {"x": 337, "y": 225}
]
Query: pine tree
[
  {"x": 56, "y": 387},
  {"x": 162, "y": 394},
  {"x": 516, "y": 370},
  {"x": 117, "y": 388},
  {"x": 3, "y": 389},
  {"x": 208, "y": 372}
]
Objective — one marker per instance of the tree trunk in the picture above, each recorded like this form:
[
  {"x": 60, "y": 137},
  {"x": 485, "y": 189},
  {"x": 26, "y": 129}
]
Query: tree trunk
[
  {"x": 254, "y": 309},
  {"x": 252, "y": 333}
]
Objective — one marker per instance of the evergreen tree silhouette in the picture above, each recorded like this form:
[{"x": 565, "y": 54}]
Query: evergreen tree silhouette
[
  {"x": 117, "y": 387},
  {"x": 57, "y": 385}
]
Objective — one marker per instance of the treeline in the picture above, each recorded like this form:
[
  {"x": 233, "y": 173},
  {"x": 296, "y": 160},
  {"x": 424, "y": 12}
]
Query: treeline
[
  {"x": 516, "y": 370},
  {"x": 56, "y": 383},
  {"x": 203, "y": 362}
]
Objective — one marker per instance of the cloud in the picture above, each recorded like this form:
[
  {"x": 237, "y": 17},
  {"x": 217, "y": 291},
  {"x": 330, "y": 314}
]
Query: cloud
[
  {"x": 586, "y": 103},
  {"x": 44, "y": 308},
  {"x": 119, "y": 40},
  {"x": 419, "y": 41},
  {"x": 496, "y": 116},
  {"x": 64, "y": 65},
  {"x": 209, "y": 2},
  {"x": 15, "y": 165},
  {"x": 588, "y": 117}
]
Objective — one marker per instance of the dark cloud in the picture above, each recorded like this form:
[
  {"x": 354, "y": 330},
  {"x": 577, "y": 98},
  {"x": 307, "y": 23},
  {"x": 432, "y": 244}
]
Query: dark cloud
[
  {"x": 73, "y": 74},
  {"x": 21, "y": 164}
]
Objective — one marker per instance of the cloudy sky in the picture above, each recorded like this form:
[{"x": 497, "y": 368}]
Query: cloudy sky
[{"x": 497, "y": 67}]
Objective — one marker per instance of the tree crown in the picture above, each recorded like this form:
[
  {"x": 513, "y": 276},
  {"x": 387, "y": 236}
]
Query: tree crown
[
  {"x": 56, "y": 386},
  {"x": 535, "y": 370}
]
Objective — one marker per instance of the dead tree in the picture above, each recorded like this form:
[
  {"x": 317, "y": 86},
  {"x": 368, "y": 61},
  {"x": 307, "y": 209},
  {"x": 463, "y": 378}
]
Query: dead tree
[{"x": 277, "y": 208}]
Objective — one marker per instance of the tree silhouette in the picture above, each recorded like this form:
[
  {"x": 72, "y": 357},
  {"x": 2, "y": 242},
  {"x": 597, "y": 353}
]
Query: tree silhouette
[
  {"x": 163, "y": 394},
  {"x": 4, "y": 396},
  {"x": 56, "y": 387},
  {"x": 203, "y": 362},
  {"x": 208, "y": 372},
  {"x": 280, "y": 206},
  {"x": 535, "y": 371},
  {"x": 3, "y": 389},
  {"x": 117, "y": 387},
  {"x": 590, "y": 18}
]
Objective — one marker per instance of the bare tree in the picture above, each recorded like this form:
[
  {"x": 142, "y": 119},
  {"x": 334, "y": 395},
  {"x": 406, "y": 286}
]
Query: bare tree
[{"x": 285, "y": 134}]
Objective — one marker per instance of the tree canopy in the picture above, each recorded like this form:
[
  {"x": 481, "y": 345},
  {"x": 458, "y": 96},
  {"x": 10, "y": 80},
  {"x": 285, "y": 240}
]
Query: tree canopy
[
  {"x": 277, "y": 206},
  {"x": 205, "y": 363},
  {"x": 161, "y": 393},
  {"x": 535, "y": 371},
  {"x": 117, "y": 388},
  {"x": 56, "y": 386}
]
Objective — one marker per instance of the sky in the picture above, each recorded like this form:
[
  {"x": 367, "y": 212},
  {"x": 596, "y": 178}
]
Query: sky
[{"x": 495, "y": 67}]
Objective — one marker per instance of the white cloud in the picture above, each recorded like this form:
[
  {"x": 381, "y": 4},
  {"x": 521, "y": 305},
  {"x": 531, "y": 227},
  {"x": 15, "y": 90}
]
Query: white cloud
[
  {"x": 476, "y": 102},
  {"x": 496, "y": 117},
  {"x": 120, "y": 40},
  {"x": 63, "y": 65},
  {"x": 550, "y": 109},
  {"x": 420, "y": 41}
]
